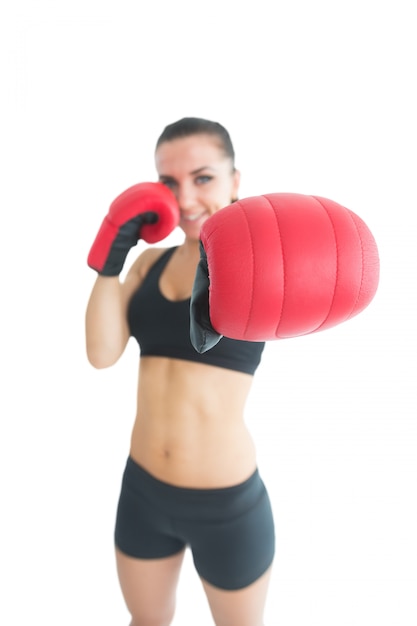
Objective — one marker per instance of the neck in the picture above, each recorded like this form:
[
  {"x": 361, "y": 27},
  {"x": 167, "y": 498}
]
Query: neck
[{"x": 190, "y": 248}]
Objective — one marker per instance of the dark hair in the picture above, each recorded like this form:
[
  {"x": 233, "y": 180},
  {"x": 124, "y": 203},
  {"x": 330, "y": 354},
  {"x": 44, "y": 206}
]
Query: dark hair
[{"x": 187, "y": 126}]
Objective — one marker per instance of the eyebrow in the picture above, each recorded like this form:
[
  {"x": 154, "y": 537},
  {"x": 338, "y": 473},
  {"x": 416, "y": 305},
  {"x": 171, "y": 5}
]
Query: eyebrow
[
  {"x": 200, "y": 169},
  {"x": 193, "y": 173}
]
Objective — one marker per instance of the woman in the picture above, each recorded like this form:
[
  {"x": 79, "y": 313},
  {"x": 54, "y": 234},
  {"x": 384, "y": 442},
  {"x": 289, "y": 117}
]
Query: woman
[{"x": 191, "y": 477}]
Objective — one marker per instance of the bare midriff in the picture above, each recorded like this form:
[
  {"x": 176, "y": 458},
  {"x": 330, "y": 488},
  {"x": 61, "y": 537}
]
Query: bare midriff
[{"x": 189, "y": 429}]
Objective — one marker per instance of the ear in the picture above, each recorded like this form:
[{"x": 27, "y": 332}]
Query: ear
[{"x": 235, "y": 185}]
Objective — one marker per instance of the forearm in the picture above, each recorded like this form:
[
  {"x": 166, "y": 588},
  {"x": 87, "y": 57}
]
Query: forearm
[
  {"x": 106, "y": 326},
  {"x": 146, "y": 211}
]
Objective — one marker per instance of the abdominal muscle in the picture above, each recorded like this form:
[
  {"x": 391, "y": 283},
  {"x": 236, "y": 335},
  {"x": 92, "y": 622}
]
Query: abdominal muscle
[{"x": 189, "y": 429}]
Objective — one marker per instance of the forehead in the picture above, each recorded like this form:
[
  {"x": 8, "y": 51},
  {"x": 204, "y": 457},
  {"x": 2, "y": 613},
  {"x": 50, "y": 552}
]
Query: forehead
[{"x": 187, "y": 154}]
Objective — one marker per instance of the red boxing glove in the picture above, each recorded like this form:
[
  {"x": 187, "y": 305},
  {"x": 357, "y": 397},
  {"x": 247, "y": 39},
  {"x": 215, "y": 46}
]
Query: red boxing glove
[
  {"x": 281, "y": 265},
  {"x": 146, "y": 211}
]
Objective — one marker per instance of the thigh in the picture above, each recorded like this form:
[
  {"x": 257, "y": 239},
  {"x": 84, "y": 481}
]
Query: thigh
[
  {"x": 243, "y": 607},
  {"x": 148, "y": 554},
  {"x": 236, "y": 546},
  {"x": 143, "y": 528},
  {"x": 149, "y": 586}
]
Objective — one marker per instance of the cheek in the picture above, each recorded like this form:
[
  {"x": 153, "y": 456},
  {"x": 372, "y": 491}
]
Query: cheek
[{"x": 223, "y": 195}]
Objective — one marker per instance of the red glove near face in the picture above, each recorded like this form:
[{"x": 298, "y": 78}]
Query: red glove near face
[
  {"x": 146, "y": 211},
  {"x": 281, "y": 265}
]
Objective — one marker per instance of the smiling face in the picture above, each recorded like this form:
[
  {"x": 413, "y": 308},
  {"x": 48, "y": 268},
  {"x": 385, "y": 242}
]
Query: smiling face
[{"x": 200, "y": 175}]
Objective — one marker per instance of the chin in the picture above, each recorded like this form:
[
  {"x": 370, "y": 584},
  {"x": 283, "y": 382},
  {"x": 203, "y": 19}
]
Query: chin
[{"x": 192, "y": 229}]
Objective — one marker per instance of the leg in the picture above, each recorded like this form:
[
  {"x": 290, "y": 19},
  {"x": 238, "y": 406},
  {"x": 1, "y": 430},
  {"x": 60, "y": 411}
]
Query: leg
[
  {"x": 148, "y": 557},
  {"x": 242, "y": 607},
  {"x": 149, "y": 587},
  {"x": 233, "y": 552}
]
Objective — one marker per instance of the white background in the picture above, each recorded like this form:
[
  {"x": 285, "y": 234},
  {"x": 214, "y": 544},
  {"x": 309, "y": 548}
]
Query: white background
[{"x": 319, "y": 97}]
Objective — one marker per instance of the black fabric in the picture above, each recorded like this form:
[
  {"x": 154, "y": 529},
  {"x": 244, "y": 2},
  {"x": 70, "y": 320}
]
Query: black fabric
[
  {"x": 162, "y": 328},
  {"x": 230, "y": 530},
  {"x": 203, "y": 336}
]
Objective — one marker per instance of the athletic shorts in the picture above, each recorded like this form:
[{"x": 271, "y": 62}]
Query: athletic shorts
[{"x": 230, "y": 530}]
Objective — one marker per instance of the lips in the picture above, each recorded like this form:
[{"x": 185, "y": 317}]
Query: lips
[{"x": 192, "y": 217}]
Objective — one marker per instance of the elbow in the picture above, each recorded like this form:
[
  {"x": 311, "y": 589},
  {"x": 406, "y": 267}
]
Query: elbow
[
  {"x": 101, "y": 359},
  {"x": 100, "y": 364}
]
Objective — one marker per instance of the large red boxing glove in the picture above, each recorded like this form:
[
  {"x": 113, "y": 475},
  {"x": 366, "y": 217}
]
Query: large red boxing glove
[
  {"x": 280, "y": 265},
  {"x": 146, "y": 211}
]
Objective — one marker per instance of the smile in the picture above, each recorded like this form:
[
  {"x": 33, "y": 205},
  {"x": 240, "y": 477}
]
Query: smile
[{"x": 192, "y": 218}]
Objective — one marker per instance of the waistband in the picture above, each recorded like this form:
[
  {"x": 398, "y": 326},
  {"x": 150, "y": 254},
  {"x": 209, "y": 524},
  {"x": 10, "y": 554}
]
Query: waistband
[{"x": 204, "y": 503}]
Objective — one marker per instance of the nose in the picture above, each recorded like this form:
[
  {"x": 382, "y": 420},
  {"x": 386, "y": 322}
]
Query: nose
[{"x": 186, "y": 197}]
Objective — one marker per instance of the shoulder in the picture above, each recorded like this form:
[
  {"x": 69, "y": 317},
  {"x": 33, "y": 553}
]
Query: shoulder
[
  {"x": 146, "y": 259},
  {"x": 140, "y": 268}
]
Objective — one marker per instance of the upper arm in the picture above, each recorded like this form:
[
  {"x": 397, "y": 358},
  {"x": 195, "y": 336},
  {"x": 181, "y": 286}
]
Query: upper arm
[{"x": 107, "y": 328}]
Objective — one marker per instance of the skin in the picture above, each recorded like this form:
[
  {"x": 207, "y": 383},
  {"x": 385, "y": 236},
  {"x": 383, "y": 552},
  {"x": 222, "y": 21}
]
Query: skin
[{"x": 189, "y": 428}]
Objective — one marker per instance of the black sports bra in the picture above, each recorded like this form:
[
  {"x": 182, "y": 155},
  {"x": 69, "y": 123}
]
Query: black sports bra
[{"x": 162, "y": 328}]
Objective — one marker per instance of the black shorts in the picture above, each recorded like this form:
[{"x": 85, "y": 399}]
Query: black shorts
[{"x": 229, "y": 530}]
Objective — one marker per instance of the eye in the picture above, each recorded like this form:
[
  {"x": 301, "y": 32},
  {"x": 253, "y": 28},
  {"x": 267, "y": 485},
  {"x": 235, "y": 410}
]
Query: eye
[
  {"x": 202, "y": 180},
  {"x": 168, "y": 182}
]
